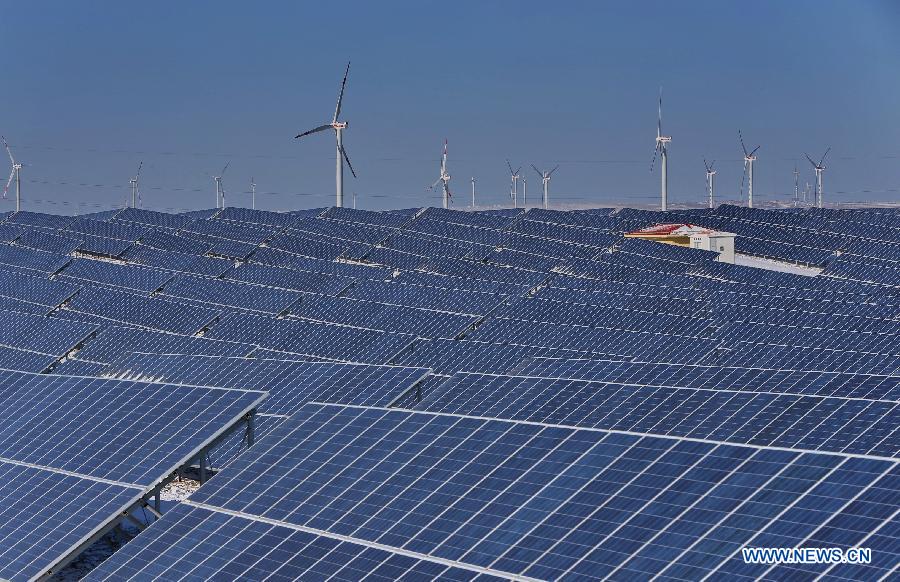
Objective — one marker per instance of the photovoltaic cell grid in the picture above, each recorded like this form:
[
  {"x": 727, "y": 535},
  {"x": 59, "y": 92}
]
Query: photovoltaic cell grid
[
  {"x": 844, "y": 385},
  {"x": 290, "y": 384},
  {"x": 631, "y": 300},
  {"x": 854, "y": 426},
  {"x": 525, "y": 499},
  {"x": 77, "y": 452}
]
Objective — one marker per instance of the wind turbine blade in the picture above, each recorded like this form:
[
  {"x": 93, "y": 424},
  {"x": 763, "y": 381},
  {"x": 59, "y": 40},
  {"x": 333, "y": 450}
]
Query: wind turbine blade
[
  {"x": 141, "y": 165},
  {"x": 659, "y": 115},
  {"x": 754, "y": 151},
  {"x": 316, "y": 130},
  {"x": 436, "y": 182},
  {"x": 225, "y": 168},
  {"x": 540, "y": 173},
  {"x": 8, "y": 151},
  {"x": 822, "y": 161},
  {"x": 653, "y": 161},
  {"x": 508, "y": 165},
  {"x": 553, "y": 170},
  {"x": 347, "y": 159},
  {"x": 8, "y": 182},
  {"x": 337, "y": 109},
  {"x": 810, "y": 159},
  {"x": 743, "y": 147},
  {"x": 705, "y": 163}
]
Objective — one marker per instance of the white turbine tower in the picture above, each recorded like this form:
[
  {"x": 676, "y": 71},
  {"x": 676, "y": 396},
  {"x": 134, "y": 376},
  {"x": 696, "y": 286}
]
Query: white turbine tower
[
  {"x": 514, "y": 177},
  {"x": 134, "y": 186},
  {"x": 749, "y": 158},
  {"x": 710, "y": 183},
  {"x": 14, "y": 173},
  {"x": 524, "y": 192},
  {"x": 473, "y": 191},
  {"x": 662, "y": 148},
  {"x": 545, "y": 178},
  {"x": 444, "y": 178},
  {"x": 220, "y": 190},
  {"x": 819, "y": 168},
  {"x": 796, "y": 185},
  {"x": 338, "y": 127},
  {"x": 252, "y": 193}
]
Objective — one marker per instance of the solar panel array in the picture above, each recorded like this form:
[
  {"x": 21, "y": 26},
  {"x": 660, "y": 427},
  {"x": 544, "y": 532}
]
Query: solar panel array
[
  {"x": 479, "y": 394},
  {"x": 78, "y": 452}
]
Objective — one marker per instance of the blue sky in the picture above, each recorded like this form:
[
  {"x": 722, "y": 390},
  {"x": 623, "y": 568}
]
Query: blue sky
[{"x": 89, "y": 89}]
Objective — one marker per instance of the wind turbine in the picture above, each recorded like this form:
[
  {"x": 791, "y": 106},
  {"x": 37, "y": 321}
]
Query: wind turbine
[
  {"x": 134, "y": 186},
  {"x": 796, "y": 185},
  {"x": 220, "y": 190},
  {"x": 545, "y": 177},
  {"x": 514, "y": 177},
  {"x": 819, "y": 168},
  {"x": 524, "y": 192},
  {"x": 252, "y": 193},
  {"x": 473, "y": 191},
  {"x": 338, "y": 127},
  {"x": 444, "y": 178},
  {"x": 710, "y": 182},
  {"x": 662, "y": 148},
  {"x": 14, "y": 173},
  {"x": 749, "y": 158}
]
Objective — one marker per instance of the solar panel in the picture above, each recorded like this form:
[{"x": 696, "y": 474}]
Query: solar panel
[
  {"x": 451, "y": 356},
  {"x": 260, "y": 217},
  {"x": 299, "y": 555},
  {"x": 169, "y": 241},
  {"x": 178, "y": 262},
  {"x": 844, "y": 385},
  {"x": 48, "y": 241},
  {"x": 35, "y": 289},
  {"x": 109, "y": 274},
  {"x": 821, "y": 423},
  {"x": 289, "y": 279},
  {"x": 40, "y": 219},
  {"x": 25, "y": 360},
  {"x": 290, "y": 384},
  {"x": 32, "y": 260},
  {"x": 524, "y": 499},
  {"x": 322, "y": 340},
  {"x": 76, "y": 454},
  {"x": 42, "y": 334},
  {"x": 151, "y": 218},
  {"x": 151, "y": 312},
  {"x": 231, "y": 294},
  {"x": 112, "y": 342}
]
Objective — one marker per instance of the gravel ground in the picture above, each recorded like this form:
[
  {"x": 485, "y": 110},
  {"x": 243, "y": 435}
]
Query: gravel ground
[{"x": 171, "y": 494}]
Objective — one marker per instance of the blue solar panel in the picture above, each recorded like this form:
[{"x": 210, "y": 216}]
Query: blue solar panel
[
  {"x": 132, "y": 277},
  {"x": 231, "y": 294},
  {"x": 42, "y": 334},
  {"x": 178, "y": 262},
  {"x": 40, "y": 219},
  {"x": 259, "y": 217},
  {"x": 25, "y": 360},
  {"x": 78, "y": 453},
  {"x": 758, "y": 418},
  {"x": 516, "y": 499},
  {"x": 32, "y": 260},
  {"x": 113, "y": 342},
  {"x": 35, "y": 289},
  {"x": 151, "y": 312},
  {"x": 715, "y": 377},
  {"x": 289, "y": 279},
  {"x": 249, "y": 552},
  {"x": 151, "y": 218},
  {"x": 290, "y": 384},
  {"x": 49, "y": 241},
  {"x": 168, "y": 241}
]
